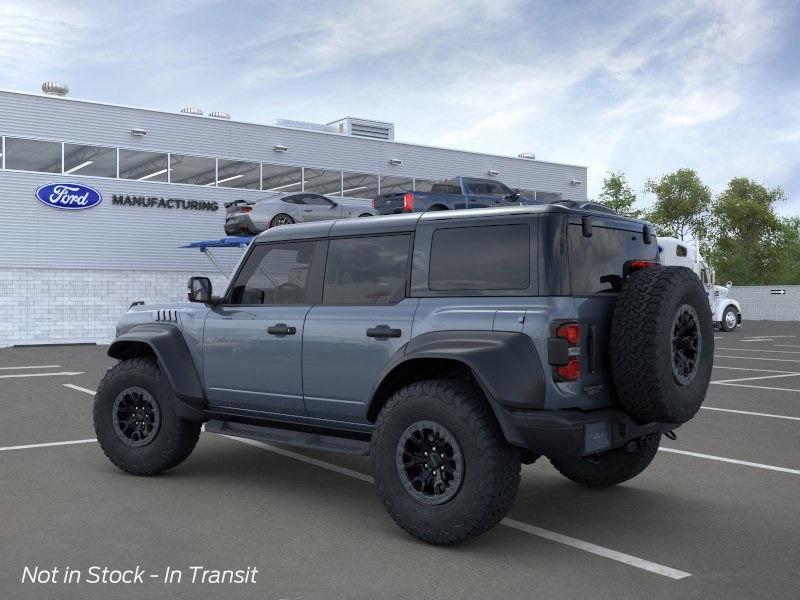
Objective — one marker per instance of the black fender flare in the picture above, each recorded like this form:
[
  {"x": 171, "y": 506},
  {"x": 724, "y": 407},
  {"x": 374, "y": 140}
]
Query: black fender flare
[
  {"x": 506, "y": 365},
  {"x": 174, "y": 359}
]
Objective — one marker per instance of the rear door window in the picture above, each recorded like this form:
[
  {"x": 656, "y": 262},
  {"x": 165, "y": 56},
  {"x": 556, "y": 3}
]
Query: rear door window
[
  {"x": 367, "y": 270},
  {"x": 597, "y": 262},
  {"x": 480, "y": 258},
  {"x": 446, "y": 187}
]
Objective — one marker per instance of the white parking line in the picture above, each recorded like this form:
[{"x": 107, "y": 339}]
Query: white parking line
[
  {"x": 757, "y": 387},
  {"x": 755, "y": 378},
  {"x": 627, "y": 559},
  {"x": 31, "y": 367},
  {"x": 756, "y": 340},
  {"x": 752, "y": 369},
  {"x": 16, "y": 375},
  {"x": 759, "y": 350},
  {"x": 792, "y": 360},
  {"x": 786, "y": 346},
  {"x": 747, "y": 412},
  {"x": 47, "y": 445},
  {"x": 78, "y": 388},
  {"x": 731, "y": 460}
]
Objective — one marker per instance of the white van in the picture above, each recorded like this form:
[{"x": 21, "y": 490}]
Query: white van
[{"x": 725, "y": 311}]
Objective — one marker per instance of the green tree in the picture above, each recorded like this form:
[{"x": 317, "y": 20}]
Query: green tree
[
  {"x": 681, "y": 205},
  {"x": 751, "y": 244},
  {"x": 618, "y": 195}
]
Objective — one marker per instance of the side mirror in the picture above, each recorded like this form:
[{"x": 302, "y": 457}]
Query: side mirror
[
  {"x": 333, "y": 204},
  {"x": 729, "y": 284},
  {"x": 199, "y": 289}
]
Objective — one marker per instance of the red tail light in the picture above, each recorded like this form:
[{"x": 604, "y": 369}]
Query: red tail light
[
  {"x": 641, "y": 264},
  {"x": 374, "y": 202},
  {"x": 246, "y": 209},
  {"x": 570, "y": 332},
  {"x": 570, "y": 371},
  {"x": 408, "y": 202}
]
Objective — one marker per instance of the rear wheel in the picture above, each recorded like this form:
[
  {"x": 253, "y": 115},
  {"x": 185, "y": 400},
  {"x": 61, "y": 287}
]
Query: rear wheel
[
  {"x": 442, "y": 467},
  {"x": 135, "y": 422},
  {"x": 729, "y": 319},
  {"x": 281, "y": 219},
  {"x": 612, "y": 467}
]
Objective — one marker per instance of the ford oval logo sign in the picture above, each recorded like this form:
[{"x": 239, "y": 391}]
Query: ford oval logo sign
[{"x": 68, "y": 196}]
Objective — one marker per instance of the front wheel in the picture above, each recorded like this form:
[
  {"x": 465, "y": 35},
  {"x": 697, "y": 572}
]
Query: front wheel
[
  {"x": 729, "y": 319},
  {"x": 612, "y": 467},
  {"x": 135, "y": 421},
  {"x": 442, "y": 467}
]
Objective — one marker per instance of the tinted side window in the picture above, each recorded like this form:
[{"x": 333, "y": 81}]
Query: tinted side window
[
  {"x": 317, "y": 200},
  {"x": 274, "y": 274},
  {"x": 498, "y": 189},
  {"x": 480, "y": 258},
  {"x": 366, "y": 270},
  {"x": 298, "y": 199},
  {"x": 478, "y": 187},
  {"x": 445, "y": 187},
  {"x": 596, "y": 262}
]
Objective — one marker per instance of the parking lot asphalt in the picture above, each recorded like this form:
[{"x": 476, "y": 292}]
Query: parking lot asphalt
[{"x": 715, "y": 516}]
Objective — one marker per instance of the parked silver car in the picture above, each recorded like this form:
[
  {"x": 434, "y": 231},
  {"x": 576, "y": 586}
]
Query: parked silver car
[{"x": 251, "y": 217}]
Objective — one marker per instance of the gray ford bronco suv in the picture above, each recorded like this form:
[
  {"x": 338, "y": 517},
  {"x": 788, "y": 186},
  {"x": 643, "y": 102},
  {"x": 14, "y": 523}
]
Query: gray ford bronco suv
[{"x": 451, "y": 347}]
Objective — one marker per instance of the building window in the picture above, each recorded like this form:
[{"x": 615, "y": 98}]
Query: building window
[
  {"x": 359, "y": 185},
  {"x": 499, "y": 258},
  {"x": 396, "y": 185},
  {"x": 143, "y": 166},
  {"x": 196, "y": 170},
  {"x": 238, "y": 174},
  {"x": 325, "y": 182},
  {"x": 98, "y": 161},
  {"x": 280, "y": 178},
  {"x": 366, "y": 270},
  {"x": 33, "y": 155},
  {"x": 423, "y": 185}
]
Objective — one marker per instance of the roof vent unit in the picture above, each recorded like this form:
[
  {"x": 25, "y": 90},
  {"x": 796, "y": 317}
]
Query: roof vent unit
[
  {"x": 493, "y": 172},
  {"x": 527, "y": 155},
  {"x": 192, "y": 110},
  {"x": 53, "y": 88},
  {"x": 219, "y": 115},
  {"x": 375, "y": 130},
  {"x": 308, "y": 126}
]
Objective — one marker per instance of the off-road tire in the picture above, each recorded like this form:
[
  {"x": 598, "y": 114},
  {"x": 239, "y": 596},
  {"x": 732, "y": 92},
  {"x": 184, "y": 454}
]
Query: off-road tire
[
  {"x": 175, "y": 438},
  {"x": 491, "y": 471},
  {"x": 612, "y": 467},
  {"x": 642, "y": 349},
  {"x": 724, "y": 324}
]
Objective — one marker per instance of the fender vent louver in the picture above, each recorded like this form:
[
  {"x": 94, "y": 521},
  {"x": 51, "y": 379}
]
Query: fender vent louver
[{"x": 166, "y": 315}]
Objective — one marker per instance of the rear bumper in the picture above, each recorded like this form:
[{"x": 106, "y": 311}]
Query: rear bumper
[{"x": 576, "y": 433}]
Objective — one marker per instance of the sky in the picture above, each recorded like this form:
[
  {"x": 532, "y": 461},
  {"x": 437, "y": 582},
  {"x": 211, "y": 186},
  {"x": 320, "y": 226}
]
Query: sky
[{"x": 639, "y": 87}]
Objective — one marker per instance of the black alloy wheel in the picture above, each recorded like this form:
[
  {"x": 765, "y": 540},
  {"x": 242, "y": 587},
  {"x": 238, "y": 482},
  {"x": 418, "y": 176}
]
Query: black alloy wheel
[
  {"x": 430, "y": 462},
  {"x": 686, "y": 344},
  {"x": 136, "y": 416}
]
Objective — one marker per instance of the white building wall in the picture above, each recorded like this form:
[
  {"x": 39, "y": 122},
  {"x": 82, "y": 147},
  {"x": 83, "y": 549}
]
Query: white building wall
[{"x": 40, "y": 306}]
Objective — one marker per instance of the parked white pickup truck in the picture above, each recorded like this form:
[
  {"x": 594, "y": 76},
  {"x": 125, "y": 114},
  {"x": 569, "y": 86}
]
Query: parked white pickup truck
[{"x": 726, "y": 312}]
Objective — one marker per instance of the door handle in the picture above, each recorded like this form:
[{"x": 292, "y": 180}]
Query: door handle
[
  {"x": 383, "y": 331},
  {"x": 307, "y": 209},
  {"x": 281, "y": 329}
]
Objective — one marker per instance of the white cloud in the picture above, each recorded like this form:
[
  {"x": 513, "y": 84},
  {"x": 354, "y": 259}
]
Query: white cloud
[{"x": 34, "y": 37}]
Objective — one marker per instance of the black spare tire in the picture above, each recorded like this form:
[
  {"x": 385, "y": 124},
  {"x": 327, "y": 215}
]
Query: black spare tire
[{"x": 662, "y": 345}]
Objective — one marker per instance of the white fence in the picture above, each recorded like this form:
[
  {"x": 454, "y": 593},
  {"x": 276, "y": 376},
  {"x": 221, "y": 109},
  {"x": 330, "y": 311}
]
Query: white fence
[{"x": 770, "y": 303}]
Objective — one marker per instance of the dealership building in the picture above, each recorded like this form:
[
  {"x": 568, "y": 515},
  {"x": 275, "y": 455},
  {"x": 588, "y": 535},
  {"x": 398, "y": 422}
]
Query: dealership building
[{"x": 159, "y": 181}]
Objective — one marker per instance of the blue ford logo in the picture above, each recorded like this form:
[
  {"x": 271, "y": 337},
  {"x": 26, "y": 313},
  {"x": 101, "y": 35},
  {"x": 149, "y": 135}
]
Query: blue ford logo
[{"x": 68, "y": 196}]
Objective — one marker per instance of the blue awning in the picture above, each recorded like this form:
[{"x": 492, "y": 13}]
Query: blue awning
[{"x": 238, "y": 241}]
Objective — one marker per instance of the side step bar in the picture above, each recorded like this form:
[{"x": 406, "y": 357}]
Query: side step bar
[{"x": 276, "y": 435}]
